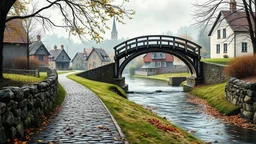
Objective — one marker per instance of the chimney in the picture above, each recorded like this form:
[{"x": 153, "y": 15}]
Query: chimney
[
  {"x": 55, "y": 47},
  {"x": 233, "y": 5},
  {"x": 62, "y": 47},
  {"x": 38, "y": 37}
]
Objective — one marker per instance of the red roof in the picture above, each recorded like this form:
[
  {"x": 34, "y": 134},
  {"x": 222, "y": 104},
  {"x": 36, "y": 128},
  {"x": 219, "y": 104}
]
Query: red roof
[
  {"x": 168, "y": 58},
  {"x": 15, "y": 32}
]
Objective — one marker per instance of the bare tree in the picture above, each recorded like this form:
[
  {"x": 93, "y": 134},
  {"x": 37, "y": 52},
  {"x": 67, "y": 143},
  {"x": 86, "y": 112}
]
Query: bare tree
[
  {"x": 205, "y": 13},
  {"x": 80, "y": 17}
]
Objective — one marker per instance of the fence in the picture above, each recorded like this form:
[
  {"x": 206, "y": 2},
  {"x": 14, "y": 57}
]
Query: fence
[{"x": 34, "y": 73}]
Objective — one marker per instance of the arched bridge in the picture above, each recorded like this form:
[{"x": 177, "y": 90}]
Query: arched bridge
[{"x": 187, "y": 51}]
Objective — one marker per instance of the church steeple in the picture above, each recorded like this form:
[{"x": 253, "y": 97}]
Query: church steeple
[{"x": 114, "y": 34}]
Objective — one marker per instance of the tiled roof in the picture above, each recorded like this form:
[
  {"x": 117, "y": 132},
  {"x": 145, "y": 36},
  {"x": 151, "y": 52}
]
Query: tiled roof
[
  {"x": 55, "y": 53},
  {"x": 15, "y": 32},
  {"x": 102, "y": 54},
  {"x": 35, "y": 46},
  {"x": 237, "y": 21}
]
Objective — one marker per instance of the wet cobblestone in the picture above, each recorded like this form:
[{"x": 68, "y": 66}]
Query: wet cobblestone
[{"x": 82, "y": 119}]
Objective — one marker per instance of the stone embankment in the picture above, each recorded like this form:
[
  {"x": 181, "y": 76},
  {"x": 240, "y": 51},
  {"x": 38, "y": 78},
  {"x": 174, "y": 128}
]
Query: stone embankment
[
  {"x": 22, "y": 107},
  {"x": 243, "y": 95}
]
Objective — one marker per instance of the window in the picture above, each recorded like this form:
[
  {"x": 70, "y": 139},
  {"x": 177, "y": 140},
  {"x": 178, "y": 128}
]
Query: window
[
  {"x": 217, "y": 48},
  {"x": 218, "y": 34},
  {"x": 41, "y": 58},
  {"x": 224, "y": 33},
  {"x": 158, "y": 64},
  {"x": 244, "y": 47},
  {"x": 94, "y": 64},
  {"x": 225, "y": 48},
  {"x": 41, "y": 65},
  {"x": 63, "y": 57},
  {"x": 164, "y": 64}
]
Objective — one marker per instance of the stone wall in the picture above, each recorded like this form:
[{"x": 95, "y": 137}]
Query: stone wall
[
  {"x": 176, "y": 81},
  {"x": 243, "y": 95},
  {"x": 22, "y": 107},
  {"x": 104, "y": 74},
  {"x": 213, "y": 73}
]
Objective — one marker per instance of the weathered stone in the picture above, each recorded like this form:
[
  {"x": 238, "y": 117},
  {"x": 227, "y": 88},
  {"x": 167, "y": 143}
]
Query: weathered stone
[
  {"x": 11, "y": 133},
  {"x": 8, "y": 119},
  {"x": 17, "y": 120},
  {"x": 6, "y": 95},
  {"x": 27, "y": 122},
  {"x": 254, "y": 106},
  {"x": 234, "y": 101},
  {"x": 248, "y": 107},
  {"x": 2, "y": 108},
  {"x": 3, "y": 139},
  {"x": 24, "y": 112},
  {"x": 36, "y": 95},
  {"x": 26, "y": 92},
  {"x": 23, "y": 103},
  {"x": 17, "y": 112},
  {"x": 42, "y": 96},
  {"x": 248, "y": 99},
  {"x": 18, "y": 93},
  {"x": 252, "y": 86},
  {"x": 33, "y": 89},
  {"x": 251, "y": 93},
  {"x": 20, "y": 130},
  {"x": 248, "y": 115},
  {"x": 254, "y": 118},
  {"x": 30, "y": 104},
  {"x": 10, "y": 105}
]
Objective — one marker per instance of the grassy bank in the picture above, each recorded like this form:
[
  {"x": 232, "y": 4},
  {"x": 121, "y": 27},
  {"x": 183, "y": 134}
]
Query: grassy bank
[
  {"x": 133, "y": 119},
  {"x": 60, "y": 96},
  {"x": 223, "y": 61},
  {"x": 215, "y": 96},
  {"x": 163, "y": 77}
]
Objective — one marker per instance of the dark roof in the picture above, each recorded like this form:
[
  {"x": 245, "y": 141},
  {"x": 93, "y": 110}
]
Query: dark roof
[
  {"x": 101, "y": 53},
  {"x": 35, "y": 46},
  {"x": 237, "y": 21},
  {"x": 55, "y": 53},
  {"x": 82, "y": 56},
  {"x": 15, "y": 32}
]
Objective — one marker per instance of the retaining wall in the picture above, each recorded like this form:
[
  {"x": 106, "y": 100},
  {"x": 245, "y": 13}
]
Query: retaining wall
[
  {"x": 22, "y": 107},
  {"x": 243, "y": 95},
  {"x": 213, "y": 73}
]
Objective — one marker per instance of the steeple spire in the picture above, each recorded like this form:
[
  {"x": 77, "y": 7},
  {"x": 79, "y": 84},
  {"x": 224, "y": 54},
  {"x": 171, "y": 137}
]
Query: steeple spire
[{"x": 114, "y": 32}]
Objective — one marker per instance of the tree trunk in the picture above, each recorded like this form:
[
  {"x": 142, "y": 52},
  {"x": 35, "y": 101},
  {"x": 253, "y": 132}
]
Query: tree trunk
[{"x": 2, "y": 27}]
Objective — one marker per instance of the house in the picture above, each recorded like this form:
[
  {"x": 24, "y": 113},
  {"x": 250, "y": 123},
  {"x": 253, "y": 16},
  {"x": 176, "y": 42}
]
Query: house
[
  {"x": 97, "y": 57},
  {"x": 156, "y": 63},
  {"x": 79, "y": 61},
  {"x": 38, "y": 51},
  {"x": 59, "y": 59},
  {"x": 229, "y": 35},
  {"x": 15, "y": 42}
]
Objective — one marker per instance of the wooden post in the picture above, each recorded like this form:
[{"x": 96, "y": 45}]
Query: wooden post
[
  {"x": 147, "y": 42},
  {"x": 136, "y": 44},
  {"x": 160, "y": 42},
  {"x": 174, "y": 43},
  {"x": 186, "y": 46}
]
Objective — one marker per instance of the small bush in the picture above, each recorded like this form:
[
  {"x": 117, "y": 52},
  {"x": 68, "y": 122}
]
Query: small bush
[
  {"x": 225, "y": 56},
  {"x": 242, "y": 67},
  {"x": 132, "y": 70},
  {"x": 21, "y": 63}
]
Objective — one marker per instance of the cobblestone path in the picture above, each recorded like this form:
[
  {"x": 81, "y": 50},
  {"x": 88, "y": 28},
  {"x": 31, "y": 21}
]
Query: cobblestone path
[{"x": 82, "y": 119}]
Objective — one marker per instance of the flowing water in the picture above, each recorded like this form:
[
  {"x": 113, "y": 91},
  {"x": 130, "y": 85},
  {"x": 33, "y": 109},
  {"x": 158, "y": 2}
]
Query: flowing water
[{"x": 172, "y": 103}]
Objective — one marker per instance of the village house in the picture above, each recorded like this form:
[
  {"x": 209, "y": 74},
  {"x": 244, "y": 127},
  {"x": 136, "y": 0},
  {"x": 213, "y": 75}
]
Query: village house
[
  {"x": 79, "y": 61},
  {"x": 15, "y": 42},
  {"x": 38, "y": 51},
  {"x": 97, "y": 57},
  {"x": 156, "y": 63},
  {"x": 229, "y": 35},
  {"x": 59, "y": 59}
]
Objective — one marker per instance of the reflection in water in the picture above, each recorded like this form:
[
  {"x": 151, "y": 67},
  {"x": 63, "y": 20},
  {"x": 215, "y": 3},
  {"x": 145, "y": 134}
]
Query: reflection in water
[{"x": 172, "y": 104}]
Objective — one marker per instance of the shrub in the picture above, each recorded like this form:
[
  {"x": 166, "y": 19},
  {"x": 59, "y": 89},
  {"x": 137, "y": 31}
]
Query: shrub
[
  {"x": 225, "y": 56},
  {"x": 242, "y": 67},
  {"x": 132, "y": 70},
  {"x": 21, "y": 63}
]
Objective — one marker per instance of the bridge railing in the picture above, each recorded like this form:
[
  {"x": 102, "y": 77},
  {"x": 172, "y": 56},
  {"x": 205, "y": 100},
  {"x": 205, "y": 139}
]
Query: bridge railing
[{"x": 159, "y": 40}]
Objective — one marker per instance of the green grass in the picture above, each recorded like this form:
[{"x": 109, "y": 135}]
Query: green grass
[
  {"x": 215, "y": 96},
  {"x": 60, "y": 96},
  {"x": 223, "y": 61},
  {"x": 132, "y": 118},
  {"x": 163, "y": 77}
]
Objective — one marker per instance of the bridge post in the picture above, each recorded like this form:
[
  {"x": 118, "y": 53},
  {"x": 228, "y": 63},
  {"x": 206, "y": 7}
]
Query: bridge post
[{"x": 116, "y": 75}]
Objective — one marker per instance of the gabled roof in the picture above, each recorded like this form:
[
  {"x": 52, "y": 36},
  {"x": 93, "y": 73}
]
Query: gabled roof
[
  {"x": 82, "y": 56},
  {"x": 15, "y": 32},
  {"x": 101, "y": 53},
  {"x": 33, "y": 48},
  {"x": 237, "y": 21},
  {"x": 55, "y": 53}
]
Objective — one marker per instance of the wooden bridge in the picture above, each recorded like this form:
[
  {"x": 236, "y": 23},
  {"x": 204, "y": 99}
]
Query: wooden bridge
[{"x": 187, "y": 51}]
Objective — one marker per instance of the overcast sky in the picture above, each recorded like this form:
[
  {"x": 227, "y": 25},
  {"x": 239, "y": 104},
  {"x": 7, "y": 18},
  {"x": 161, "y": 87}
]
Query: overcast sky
[{"x": 152, "y": 17}]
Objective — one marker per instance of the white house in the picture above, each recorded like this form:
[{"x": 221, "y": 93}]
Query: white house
[{"x": 229, "y": 35}]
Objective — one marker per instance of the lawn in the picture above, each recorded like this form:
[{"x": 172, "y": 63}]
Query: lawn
[
  {"x": 163, "y": 77},
  {"x": 215, "y": 96},
  {"x": 133, "y": 118},
  {"x": 223, "y": 61}
]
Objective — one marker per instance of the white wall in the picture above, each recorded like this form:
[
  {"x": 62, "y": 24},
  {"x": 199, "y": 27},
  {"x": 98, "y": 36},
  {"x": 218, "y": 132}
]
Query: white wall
[
  {"x": 243, "y": 37},
  {"x": 229, "y": 40}
]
